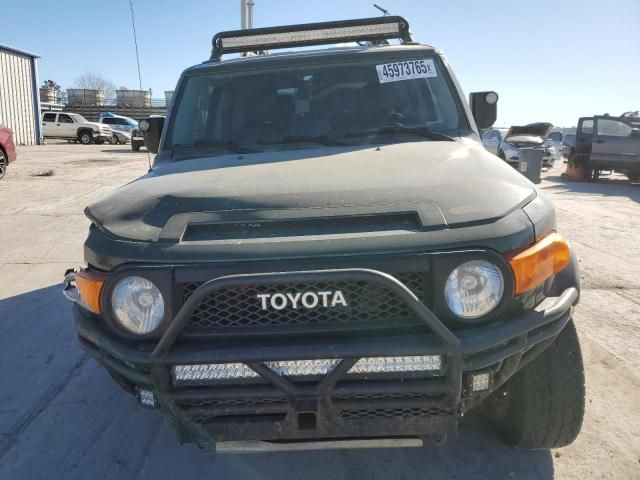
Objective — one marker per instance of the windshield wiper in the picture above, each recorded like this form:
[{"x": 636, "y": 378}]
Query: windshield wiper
[
  {"x": 321, "y": 140},
  {"x": 395, "y": 130},
  {"x": 226, "y": 145}
]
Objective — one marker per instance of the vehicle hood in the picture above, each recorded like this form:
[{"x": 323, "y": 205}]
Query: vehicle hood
[
  {"x": 446, "y": 184},
  {"x": 97, "y": 125},
  {"x": 534, "y": 133}
]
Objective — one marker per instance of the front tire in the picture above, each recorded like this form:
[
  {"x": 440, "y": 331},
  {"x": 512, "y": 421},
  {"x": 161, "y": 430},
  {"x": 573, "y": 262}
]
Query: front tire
[
  {"x": 4, "y": 163},
  {"x": 542, "y": 406},
  {"x": 85, "y": 138}
]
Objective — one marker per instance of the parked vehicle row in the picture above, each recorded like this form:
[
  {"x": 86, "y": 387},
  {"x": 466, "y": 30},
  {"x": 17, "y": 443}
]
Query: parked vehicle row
[
  {"x": 74, "y": 127},
  {"x": 114, "y": 129}
]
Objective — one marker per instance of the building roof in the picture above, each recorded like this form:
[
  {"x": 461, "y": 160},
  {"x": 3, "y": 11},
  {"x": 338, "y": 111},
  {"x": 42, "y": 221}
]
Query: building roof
[{"x": 20, "y": 52}]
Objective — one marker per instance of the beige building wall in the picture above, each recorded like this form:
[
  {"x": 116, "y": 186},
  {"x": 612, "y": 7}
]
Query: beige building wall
[{"x": 17, "y": 109}]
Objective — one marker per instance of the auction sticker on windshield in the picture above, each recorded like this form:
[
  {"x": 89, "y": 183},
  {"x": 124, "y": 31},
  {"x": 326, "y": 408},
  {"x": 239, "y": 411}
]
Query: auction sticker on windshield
[{"x": 408, "y": 70}]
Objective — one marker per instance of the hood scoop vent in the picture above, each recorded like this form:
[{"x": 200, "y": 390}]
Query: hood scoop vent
[{"x": 302, "y": 227}]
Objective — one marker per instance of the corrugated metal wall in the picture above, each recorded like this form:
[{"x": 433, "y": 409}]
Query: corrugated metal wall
[{"x": 16, "y": 97}]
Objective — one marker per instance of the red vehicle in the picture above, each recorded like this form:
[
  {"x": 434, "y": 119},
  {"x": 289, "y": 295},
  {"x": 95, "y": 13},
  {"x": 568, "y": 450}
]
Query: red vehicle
[{"x": 7, "y": 149}]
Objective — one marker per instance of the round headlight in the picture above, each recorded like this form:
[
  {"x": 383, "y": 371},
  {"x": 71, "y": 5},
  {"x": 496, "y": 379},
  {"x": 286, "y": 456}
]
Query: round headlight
[
  {"x": 137, "y": 304},
  {"x": 474, "y": 288}
]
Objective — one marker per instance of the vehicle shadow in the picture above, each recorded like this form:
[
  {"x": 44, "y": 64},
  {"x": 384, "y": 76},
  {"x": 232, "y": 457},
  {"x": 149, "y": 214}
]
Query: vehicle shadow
[
  {"x": 123, "y": 149},
  {"x": 48, "y": 384},
  {"x": 477, "y": 453},
  {"x": 609, "y": 185}
]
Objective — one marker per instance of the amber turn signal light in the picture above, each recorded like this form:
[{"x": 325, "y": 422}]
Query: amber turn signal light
[
  {"x": 537, "y": 263},
  {"x": 89, "y": 285}
]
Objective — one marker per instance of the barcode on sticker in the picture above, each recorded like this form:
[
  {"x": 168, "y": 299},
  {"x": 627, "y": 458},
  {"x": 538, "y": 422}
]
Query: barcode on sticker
[{"x": 408, "y": 70}]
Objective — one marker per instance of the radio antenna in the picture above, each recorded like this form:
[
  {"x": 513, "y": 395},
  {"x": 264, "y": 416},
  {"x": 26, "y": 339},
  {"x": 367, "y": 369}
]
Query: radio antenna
[
  {"x": 135, "y": 41},
  {"x": 384, "y": 11}
]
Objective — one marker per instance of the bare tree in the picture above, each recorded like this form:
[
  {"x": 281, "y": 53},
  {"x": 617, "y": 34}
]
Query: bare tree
[{"x": 96, "y": 81}]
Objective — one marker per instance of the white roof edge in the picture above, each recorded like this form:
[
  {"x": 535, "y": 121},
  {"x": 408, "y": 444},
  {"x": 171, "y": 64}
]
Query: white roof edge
[{"x": 18, "y": 51}]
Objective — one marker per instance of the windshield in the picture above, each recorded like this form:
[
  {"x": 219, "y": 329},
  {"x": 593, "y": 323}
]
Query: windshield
[
  {"x": 324, "y": 104},
  {"x": 78, "y": 118}
]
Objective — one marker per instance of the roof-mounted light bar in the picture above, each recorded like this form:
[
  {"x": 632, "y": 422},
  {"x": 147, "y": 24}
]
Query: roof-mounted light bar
[{"x": 323, "y": 33}]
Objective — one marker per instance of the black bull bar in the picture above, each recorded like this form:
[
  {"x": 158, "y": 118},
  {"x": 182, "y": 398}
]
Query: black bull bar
[{"x": 470, "y": 350}]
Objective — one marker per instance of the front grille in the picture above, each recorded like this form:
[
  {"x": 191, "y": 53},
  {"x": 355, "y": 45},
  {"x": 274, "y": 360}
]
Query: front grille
[
  {"x": 387, "y": 396},
  {"x": 393, "y": 413},
  {"x": 232, "y": 402},
  {"x": 367, "y": 304}
]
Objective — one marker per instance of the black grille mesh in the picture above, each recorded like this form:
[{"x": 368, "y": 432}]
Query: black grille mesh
[
  {"x": 393, "y": 413},
  {"x": 240, "y": 307},
  {"x": 232, "y": 402},
  {"x": 386, "y": 396}
]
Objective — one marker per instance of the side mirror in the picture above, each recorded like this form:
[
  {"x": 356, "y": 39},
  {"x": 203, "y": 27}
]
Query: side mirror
[
  {"x": 152, "y": 130},
  {"x": 484, "y": 107}
]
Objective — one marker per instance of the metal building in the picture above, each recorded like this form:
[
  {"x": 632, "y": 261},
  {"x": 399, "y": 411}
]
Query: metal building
[{"x": 19, "y": 98}]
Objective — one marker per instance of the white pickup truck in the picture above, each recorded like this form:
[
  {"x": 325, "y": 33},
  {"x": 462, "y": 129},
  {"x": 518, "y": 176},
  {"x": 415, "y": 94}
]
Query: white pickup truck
[{"x": 74, "y": 127}]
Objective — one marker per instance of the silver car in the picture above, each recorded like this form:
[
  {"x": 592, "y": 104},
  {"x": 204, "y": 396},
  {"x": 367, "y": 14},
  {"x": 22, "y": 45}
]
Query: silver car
[{"x": 505, "y": 142}]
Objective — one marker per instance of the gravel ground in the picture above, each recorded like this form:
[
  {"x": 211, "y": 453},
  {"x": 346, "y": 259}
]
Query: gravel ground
[{"x": 61, "y": 416}]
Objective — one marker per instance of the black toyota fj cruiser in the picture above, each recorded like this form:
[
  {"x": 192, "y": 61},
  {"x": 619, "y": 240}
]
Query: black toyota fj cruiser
[{"x": 324, "y": 251}]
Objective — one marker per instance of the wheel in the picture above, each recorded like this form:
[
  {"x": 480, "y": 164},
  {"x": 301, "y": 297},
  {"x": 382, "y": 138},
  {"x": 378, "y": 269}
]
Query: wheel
[
  {"x": 113, "y": 140},
  {"x": 4, "y": 163},
  {"x": 135, "y": 147},
  {"x": 85, "y": 138},
  {"x": 542, "y": 405}
]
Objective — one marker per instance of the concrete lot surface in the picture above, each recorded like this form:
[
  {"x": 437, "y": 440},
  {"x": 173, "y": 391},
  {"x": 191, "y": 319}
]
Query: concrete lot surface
[{"x": 61, "y": 415}]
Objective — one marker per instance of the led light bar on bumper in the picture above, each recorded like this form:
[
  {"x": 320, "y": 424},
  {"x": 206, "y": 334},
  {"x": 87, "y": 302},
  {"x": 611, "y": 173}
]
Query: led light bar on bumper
[
  {"x": 206, "y": 373},
  {"x": 323, "y": 33}
]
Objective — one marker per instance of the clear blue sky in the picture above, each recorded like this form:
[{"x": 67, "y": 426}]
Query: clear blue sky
[{"x": 550, "y": 60}]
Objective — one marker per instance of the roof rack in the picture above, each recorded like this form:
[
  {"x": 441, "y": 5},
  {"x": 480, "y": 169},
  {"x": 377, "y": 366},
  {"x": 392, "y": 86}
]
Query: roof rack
[{"x": 323, "y": 33}]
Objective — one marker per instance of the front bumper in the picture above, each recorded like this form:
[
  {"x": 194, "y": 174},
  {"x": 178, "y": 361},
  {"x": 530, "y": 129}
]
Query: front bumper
[
  {"x": 103, "y": 135},
  {"x": 284, "y": 408}
]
